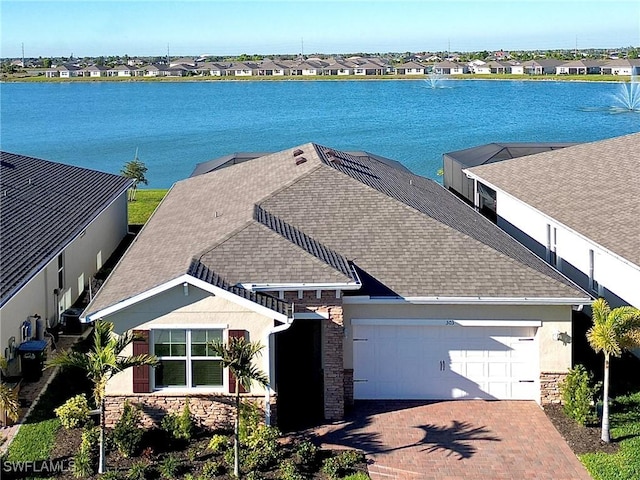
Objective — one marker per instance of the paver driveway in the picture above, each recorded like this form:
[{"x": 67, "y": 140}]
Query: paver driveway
[{"x": 448, "y": 440}]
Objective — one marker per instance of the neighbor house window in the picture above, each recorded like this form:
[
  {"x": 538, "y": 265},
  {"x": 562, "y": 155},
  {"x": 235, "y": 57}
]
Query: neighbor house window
[
  {"x": 61, "y": 271},
  {"x": 593, "y": 284},
  {"x": 186, "y": 358}
]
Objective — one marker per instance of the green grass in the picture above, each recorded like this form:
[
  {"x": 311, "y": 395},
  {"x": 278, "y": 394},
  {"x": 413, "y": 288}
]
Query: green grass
[
  {"x": 34, "y": 441},
  {"x": 625, "y": 429},
  {"x": 143, "y": 206}
]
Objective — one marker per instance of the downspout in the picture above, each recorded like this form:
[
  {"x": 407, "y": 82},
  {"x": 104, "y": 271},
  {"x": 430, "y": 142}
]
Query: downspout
[{"x": 267, "y": 394}]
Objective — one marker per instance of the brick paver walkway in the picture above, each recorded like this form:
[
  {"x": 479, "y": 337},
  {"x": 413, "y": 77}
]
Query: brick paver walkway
[{"x": 492, "y": 440}]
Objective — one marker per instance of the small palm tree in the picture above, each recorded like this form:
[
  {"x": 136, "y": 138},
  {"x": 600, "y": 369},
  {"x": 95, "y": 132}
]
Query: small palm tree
[
  {"x": 102, "y": 362},
  {"x": 238, "y": 356},
  {"x": 8, "y": 397},
  {"x": 612, "y": 332}
]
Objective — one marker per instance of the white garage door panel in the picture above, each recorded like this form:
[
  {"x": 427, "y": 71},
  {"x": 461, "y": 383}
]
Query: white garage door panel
[{"x": 442, "y": 362}]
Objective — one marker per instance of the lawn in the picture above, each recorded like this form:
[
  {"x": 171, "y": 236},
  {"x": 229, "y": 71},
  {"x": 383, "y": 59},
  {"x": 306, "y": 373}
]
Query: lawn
[
  {"x": 625, "y": 431},
  {"x": 143, "y": 206}
]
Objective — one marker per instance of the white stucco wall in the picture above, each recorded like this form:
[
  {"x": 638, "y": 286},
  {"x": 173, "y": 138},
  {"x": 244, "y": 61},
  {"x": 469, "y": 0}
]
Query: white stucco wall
[
  {"x": 555, "y": 356},
  {"x": 100, "y": 239},
  {"x": 198, "y": 309},
  {"x": 610, "y": 270}
]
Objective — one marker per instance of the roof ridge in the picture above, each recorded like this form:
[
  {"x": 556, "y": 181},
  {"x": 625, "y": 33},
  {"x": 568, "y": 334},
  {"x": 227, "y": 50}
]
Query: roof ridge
[{"x": 310, "y": 245}]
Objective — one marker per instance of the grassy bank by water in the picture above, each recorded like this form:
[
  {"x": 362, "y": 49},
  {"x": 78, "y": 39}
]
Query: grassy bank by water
[
  {"x": 143, "y": 206},
  {"x": 286, "y": 78}
]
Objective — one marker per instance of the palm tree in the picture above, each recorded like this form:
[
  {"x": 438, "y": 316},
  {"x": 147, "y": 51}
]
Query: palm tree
[
  {"x": 9, "y": 402},
  {"x": 612, "y": 332},
  {"x": 102, "y": 362},
  {"x": 238, "y": 355},
  {"x": 135, "y": 170}
]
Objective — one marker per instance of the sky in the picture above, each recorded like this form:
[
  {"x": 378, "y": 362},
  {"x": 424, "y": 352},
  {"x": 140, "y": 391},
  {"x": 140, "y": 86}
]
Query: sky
[{"x": 189, "y": 28}]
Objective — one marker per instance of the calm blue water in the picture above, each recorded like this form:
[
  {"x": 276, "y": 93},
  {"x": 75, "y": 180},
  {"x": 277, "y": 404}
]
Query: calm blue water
[{"x": 177, "y": 125}]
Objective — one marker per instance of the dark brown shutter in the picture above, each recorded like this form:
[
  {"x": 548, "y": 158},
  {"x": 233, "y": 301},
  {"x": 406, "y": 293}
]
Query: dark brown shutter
[
  {"x": 141, "y": 377},
  {"x": 232, "y": 378}
]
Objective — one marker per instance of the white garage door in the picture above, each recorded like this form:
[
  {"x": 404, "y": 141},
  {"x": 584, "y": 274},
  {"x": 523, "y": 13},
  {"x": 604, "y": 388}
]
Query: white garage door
[{"x": 445, "y": 362}]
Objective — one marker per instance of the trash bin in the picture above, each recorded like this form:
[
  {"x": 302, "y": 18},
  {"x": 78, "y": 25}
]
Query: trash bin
[{"x": 32, "y": 356}]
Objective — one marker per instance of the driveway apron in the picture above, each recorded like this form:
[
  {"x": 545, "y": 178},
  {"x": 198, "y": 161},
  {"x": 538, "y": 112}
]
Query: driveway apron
[{"x": 471, "y": 439}]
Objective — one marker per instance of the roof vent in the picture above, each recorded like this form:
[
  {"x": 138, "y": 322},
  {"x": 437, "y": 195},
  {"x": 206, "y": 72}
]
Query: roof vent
[
  {"x": 297, "y": 152},
  {"x": 335, "y": 160},
  {"x": 300, "y": 160}
]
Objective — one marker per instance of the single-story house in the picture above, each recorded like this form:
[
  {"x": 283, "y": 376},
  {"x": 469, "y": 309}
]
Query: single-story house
[
  {"x": 579, "y": 67},
  {"x": 621, "y": 67},
  {"x": 589, "y": 233},
  {"x": 59, "y": 224},
  {"x": 360, "y": 279},
  {"x": 96, "y": 71},
  {"x": 411, "y": 68},
  {"x": 544, "y": 66},
  {"x": 447, "y": 67},
  {"x": 271, "y": 68}
]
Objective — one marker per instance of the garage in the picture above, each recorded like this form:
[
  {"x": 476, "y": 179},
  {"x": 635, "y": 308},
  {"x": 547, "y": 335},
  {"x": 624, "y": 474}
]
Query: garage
[{"x": 445, "y": 359}]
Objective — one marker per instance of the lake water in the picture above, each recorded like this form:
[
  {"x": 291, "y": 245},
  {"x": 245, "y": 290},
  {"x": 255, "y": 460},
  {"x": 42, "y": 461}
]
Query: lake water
[{"x": 174, "y": 126}]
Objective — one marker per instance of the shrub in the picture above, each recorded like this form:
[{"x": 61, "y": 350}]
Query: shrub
[
  {"x": 577, "y": 395},
  {"x": 306, "y": 454},
  {"x": 74, "y": 412},
  {"x": 342, "y": 464},
  {"x": 126, "y": 434},
  {"x": 357, "y": 476},
  {"x": 253, "y": 476},
  {"x": 179, "y": 427},
  {"x": 288, "y": 471},
  {"x": 261, "y": 448},
  {"x": 250, "y": 418},
  {"x": 111, "y": 475},
  {"x": 169, "y": 467},
  {"x": 212, "y": 469},
  {"x": 218, "y": 443},
  {"x": 138, "y": 471},
  {"x": 82, "y": 464}
]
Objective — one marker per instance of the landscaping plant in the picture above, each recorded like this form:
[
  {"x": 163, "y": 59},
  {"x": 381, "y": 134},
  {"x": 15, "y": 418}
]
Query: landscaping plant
[
  {"x": 289, "y": 471},
  {"x": 577, "y": 395},
  {"x": 342, "y": 464},
  {"x": 179, "y": 426},
  {"x": 169, "y": 467},
  {"x": 127, "y": 433},
  {"x": 102, "y": 362},
  {"x": 238, "y": 356},
  {"x": 8, "y": 397},
  {"x": 612, "y": 332},
  {"x": 74, "y": 412},
  {"x": 306, "y": 454}
]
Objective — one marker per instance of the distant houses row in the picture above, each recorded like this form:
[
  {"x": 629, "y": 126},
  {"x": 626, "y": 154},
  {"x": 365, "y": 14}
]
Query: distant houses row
[{"x": 354, "y": 66}]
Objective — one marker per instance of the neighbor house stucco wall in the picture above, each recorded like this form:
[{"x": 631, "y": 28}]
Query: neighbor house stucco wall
[
  {"x": 529, "y": 226},
  {"x": 83, "y": 257}
]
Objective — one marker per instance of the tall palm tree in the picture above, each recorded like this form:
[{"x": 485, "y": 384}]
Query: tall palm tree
[
  {"x": 102, "y": 362},
  {"x": 612, "y": 332},
  {"x": 238, "y": 356}
]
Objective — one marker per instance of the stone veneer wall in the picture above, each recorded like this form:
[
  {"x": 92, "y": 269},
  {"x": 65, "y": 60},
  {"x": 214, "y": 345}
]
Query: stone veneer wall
[
  {"x": 332, "y": 345},
  {"x": 209, "y": 411},
  {"x": 348, "y": 387},
  {"x": 550, "y": 387}
]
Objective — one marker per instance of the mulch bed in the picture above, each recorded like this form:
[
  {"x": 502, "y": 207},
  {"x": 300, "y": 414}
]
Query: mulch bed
[{"x": 581, "y": 439}]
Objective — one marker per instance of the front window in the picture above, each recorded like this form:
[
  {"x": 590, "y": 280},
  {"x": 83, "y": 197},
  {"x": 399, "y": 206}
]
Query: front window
[{"x": 186, "y": 358}]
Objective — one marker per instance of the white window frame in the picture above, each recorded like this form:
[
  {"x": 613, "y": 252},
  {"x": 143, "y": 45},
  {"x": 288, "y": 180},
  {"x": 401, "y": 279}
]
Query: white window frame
[
  {"x": 593, "y": 283},
  {"x": 188, "y": 328}
]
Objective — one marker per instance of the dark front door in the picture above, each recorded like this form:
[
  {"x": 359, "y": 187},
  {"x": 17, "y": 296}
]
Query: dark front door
[{"x": 299, "y": 380}]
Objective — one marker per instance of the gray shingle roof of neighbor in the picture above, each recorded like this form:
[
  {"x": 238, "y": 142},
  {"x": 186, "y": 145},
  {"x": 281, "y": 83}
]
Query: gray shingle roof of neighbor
[
  {"x": 44, "y": 205},
  {"x": 498, "y": 151},
  {"x": 591, "y": 188},
  {"x": 329, "y": 212}
]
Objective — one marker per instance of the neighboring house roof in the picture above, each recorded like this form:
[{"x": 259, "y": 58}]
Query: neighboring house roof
[
  {"x": 323, "y": 215},
  {"x": 591, "y": 188},
  {"x": 496, "y": 152},
  {"x": 239, "y": 157},
  {"x": 45, "y": 205}
]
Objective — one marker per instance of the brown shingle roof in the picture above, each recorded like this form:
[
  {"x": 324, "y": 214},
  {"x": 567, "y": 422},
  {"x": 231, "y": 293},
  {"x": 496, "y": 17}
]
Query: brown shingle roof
[
  {"x": 592, "y": 188},
  {"x": 408, "y": 233}
]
